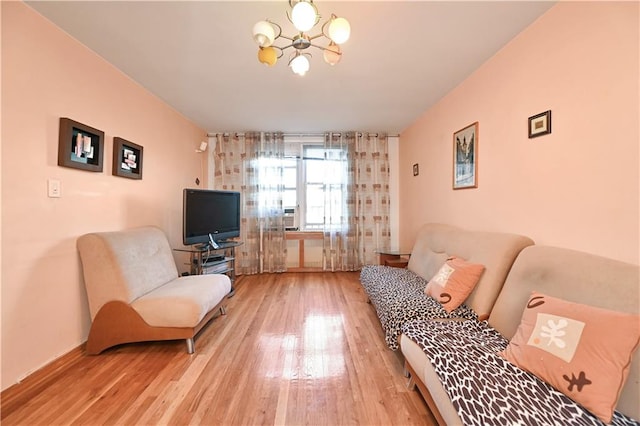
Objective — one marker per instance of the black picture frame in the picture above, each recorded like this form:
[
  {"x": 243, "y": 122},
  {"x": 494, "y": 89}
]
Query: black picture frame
[
  {"x": 540, "y": 124},
  {"x": 80, "y": 146},
  {"x": 416, "y": 169},
  {"x": 127, "y": 159}
]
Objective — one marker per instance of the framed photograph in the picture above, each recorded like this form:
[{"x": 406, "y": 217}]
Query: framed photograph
[
  {"x": 465, "y": 157},
  {"x": 80, "y": 146},
  {"x": 416, "y": 169},
  {"x": 540, "y": 124},
  {"x": 127, "y": 159}
]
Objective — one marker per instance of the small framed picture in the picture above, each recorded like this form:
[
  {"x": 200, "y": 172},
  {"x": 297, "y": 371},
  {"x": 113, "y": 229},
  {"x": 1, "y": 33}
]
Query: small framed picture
[
  {"x": 465, "y": 157},
  {"x": 127, "y": 159},
  {"x": 80, "y": 146},
  {"x": 540, "y": 124},
  {"x": 416, "y": 169}
]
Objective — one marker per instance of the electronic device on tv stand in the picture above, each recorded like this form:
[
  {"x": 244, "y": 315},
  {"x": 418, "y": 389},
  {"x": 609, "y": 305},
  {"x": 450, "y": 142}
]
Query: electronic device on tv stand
[{"x": 213, "y": 243}]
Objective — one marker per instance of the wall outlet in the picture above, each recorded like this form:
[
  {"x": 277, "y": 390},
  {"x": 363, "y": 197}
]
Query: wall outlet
[{"x": 54, "y": 188}]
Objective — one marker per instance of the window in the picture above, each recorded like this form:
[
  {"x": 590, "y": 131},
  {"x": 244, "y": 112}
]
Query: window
[
  {"x": 290, "y": 177},
  {"x": 325, "y": 173},
  {"x": 314, "y": 183}
]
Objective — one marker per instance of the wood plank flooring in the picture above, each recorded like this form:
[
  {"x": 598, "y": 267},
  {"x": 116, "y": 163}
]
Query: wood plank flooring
[{"x": 293, "y": 349}]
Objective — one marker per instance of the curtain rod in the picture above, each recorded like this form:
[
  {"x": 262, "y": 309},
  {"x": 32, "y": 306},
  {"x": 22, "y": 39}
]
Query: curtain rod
[{"x": 302, "y": 135}]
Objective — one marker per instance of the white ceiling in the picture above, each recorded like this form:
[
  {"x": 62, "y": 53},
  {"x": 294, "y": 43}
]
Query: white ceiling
[{"x": 199, "y": 57}]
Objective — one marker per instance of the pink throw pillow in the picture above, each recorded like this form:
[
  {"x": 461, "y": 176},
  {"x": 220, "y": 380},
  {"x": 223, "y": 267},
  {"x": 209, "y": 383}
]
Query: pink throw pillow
[
  {"x": 582, "y": 351},
  {"x": 453, "y": 283}
]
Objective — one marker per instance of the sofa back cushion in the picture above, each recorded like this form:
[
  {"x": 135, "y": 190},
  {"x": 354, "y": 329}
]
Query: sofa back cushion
[
  {"x": 435, "y": 243},
  {"x": 124, "y": 265},
  {"x": 575, "y": 277}
]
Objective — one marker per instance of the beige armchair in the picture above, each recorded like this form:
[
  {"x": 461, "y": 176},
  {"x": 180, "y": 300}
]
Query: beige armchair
[{"x": 135, "y": 293}]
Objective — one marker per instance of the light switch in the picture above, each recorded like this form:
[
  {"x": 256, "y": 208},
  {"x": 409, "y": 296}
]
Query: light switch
[{"x": 54, "y": 188}]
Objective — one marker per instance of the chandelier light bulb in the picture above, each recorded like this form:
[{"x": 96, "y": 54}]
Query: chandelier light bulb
[
  {"x": 332, "y": 54},
  {"x": 264, "y": 33},
  {"x": 300, "y": 65},
  {"x": 304, "y": 16},
  {"x": 339, "y": 30},
  {"x": 268, "y": 56}
]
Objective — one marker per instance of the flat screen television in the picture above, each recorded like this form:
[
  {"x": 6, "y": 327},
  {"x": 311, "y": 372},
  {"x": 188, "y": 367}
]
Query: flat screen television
[{"x": 210, "y": 216}]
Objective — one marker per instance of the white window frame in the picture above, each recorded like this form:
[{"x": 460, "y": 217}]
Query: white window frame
[
  {"x": 297, "y": 185},
  {"x": 301, "y": 176},
  {"x": 302, "y": 186}
]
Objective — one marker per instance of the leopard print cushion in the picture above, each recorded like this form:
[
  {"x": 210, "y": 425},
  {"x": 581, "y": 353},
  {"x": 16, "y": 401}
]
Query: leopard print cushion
[
  {"x": 397, "y": 295},
  {"x": 486, "y": 389}
]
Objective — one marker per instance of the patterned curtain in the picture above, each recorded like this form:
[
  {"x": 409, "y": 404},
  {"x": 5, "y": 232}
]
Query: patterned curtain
[
  {"x": 356, "y": 219},
  {"x": 372, "y": 194},
  {"x": 252, "y": 164},
  {"x": 340, "y": 250}
]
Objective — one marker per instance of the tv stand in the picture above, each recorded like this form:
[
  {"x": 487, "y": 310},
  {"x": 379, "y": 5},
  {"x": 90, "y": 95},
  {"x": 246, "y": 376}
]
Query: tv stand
[{"x": 205, "y": 259}]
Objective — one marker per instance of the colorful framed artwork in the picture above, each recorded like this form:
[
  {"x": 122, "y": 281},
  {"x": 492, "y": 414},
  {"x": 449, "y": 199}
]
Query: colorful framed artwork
[
  {"x": 127, "y": 159},
  {"x": 80, "y": 146},
  {"x": 465, "y": 157},
  {"x": 540, "y": 124}
]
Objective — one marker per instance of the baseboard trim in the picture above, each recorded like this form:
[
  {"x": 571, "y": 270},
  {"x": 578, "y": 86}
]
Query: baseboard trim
[{"x": 21, "y": 392}]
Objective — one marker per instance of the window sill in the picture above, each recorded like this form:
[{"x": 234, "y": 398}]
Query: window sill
[{"x": 303, "y": 235}]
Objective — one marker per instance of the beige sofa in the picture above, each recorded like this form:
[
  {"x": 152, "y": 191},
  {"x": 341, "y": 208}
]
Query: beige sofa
[
  {"x": 398, "y": 294},
  {"x": 495, "y": 250},
  {"x": 135, "y": 293},
  {"x": 561, "y": 273}
]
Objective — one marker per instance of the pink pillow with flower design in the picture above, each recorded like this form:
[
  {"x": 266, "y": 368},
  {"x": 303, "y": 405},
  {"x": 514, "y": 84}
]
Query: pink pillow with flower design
[{"x": 582, "y": 351}]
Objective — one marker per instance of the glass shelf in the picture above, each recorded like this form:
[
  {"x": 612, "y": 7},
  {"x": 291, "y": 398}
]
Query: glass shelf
[{"x": 393, "y": 252}]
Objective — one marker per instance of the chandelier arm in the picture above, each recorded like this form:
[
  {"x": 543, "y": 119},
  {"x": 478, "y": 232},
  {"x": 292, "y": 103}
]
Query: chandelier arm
[
  {"x": 287, "y": 37},
  {"x": 325, "y": 25},
  {"x": 299, "y": 53},
  {"x": 285, "y": 47},
  {"x": 279, "y": 30},
  {"x": 324, "y": 48},
  {"x": 318, "y": 35},
  {"x": 293, "y": 2},
  {"x": 281, "y": 49}
]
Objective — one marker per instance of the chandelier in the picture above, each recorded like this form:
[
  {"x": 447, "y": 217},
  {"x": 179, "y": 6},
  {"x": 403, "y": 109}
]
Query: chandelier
[{"x": 304, "y": 16}]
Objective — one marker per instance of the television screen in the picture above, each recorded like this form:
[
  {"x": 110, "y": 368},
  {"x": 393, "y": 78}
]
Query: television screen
[{"x": 210, "y": 213}]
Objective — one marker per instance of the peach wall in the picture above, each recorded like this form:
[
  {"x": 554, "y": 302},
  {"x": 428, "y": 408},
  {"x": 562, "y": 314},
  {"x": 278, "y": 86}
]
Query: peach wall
[
  {"x": 577, "y": 187},
  {"x": 47, "y": 75}
]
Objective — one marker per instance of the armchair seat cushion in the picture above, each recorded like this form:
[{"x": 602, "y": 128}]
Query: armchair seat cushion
[{"x": 182, "y": 302}]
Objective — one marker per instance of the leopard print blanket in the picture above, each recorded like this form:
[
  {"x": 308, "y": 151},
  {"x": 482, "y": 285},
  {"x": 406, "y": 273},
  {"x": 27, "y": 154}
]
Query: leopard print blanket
[
  {"x": 486, "y": 389},
  {"x": 397, "y": 295}
]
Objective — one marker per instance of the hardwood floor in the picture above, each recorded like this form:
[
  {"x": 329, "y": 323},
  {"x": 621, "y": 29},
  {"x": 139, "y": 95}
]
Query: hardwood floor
[{"x": 294, "y": 348}]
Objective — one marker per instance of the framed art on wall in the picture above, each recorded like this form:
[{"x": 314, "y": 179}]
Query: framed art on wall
[
  {"x": 127, "y": 159},
  {"x": 540, "y": 124},
  {"x": 80, "y": 146},
  {"x": 465, "y": 157}
]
